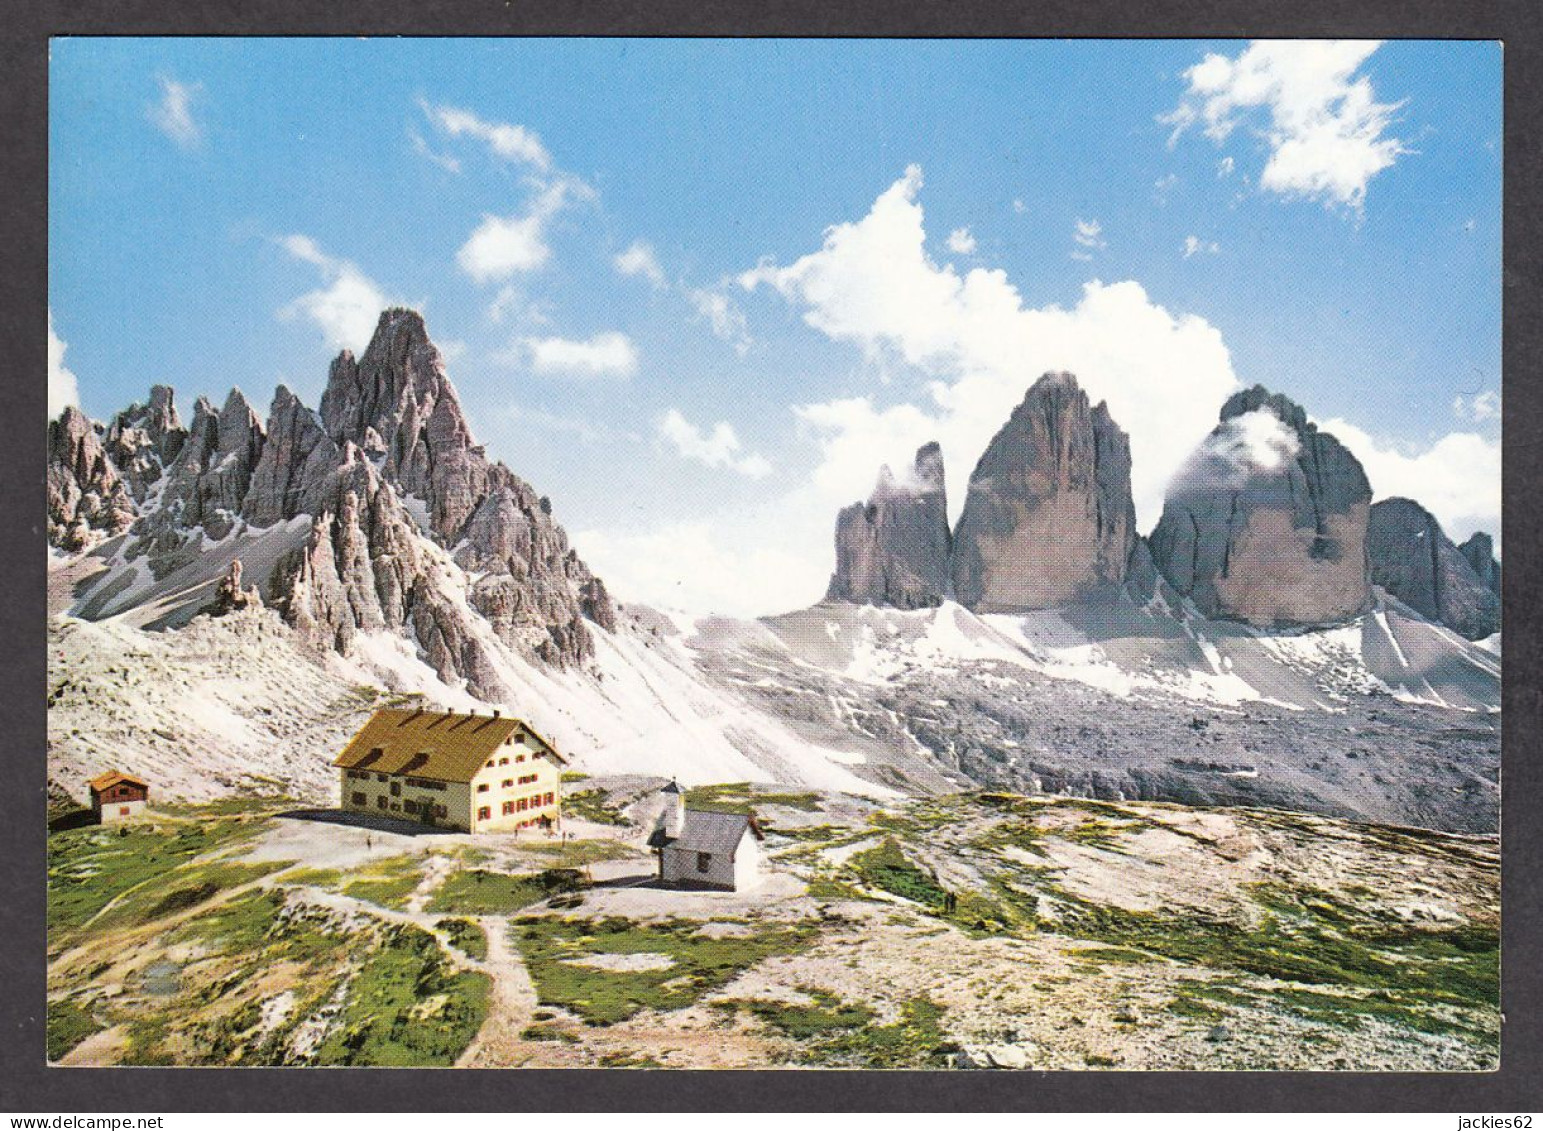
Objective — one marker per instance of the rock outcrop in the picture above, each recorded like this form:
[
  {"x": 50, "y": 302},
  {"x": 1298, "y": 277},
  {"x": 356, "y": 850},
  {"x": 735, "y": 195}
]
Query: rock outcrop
[
  {"x": 1413, "y": 559},
  {"x": 143, "y": 440},
  {"x": 230, "y": 596},
  {"x": 1048, "y": 519},
  {"x": 1479, "y": 551},
  {"x": 895, "y": 548},
  {"x": 207, "y": 483},
  {"x": 88, "y": 499},
  {"x": 1267, "y": 523},
  {"x": 399, "y": 391},
  {"x": 296, "y": 470}
]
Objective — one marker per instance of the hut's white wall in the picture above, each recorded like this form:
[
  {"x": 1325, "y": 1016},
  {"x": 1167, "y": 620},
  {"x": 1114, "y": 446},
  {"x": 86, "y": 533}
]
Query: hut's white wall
[
  {"x": 514, "y": 789},
  {"x": 114, "y": 811},
  {"x": 683, "y": 866},
  {"x": 747, "y": 862},
  {"x": 367, "y": 792}
]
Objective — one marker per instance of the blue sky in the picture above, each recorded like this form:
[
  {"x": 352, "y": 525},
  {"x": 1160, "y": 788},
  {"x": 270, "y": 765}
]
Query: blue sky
[{"x": 697, "y": 291}]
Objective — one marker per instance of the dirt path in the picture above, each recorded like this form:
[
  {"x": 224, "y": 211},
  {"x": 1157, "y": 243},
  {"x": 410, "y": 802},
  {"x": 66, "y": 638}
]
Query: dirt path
[
  {"x": 437, "y": 869},
  {"x": 499, "y": 1044}
]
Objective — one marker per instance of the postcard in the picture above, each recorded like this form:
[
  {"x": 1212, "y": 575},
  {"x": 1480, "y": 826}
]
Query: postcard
[{"x": 776, "y": 554}]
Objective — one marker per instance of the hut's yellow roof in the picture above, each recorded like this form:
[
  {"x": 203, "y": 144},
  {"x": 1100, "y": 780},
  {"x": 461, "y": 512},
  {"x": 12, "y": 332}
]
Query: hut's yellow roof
[{"x": 437, "y": 745}]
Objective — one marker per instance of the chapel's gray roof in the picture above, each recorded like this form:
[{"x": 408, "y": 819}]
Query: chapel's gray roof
[{"x": 704, "y": 831}]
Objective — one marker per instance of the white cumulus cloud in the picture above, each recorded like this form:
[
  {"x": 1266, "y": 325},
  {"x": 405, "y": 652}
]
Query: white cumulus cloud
[
  {"x": 723, "y": 315},
  {"x": 422, "y": 148},
  {"x": 63, "y": 389},
  {"x": 1479, "y": 407},
  {"x": 348, "y": 304},
  {"x": 510, "y": 142},
  {"x": 1194, "y": 245},
  {"x": 872, "y": 284},
  {"x": 1456, "y": 477},
  {"x": 1326, "y": 131},
  {"x": 640, "y": 260},
  {"x": 961, "y": 242},
  {"x": 718, "y": 447},
  {"x": 1251, "y": 442},
  {"x": 607, "y": 354},
  {"x": 503, "y": 246},
  {"x": 173, "y": 113}
]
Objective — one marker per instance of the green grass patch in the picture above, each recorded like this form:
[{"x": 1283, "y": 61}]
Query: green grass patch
[
  {"x": 477, "y": 892},
  {"x": 824, "y": 886},
  {"x": 466, "y": 937},
  {"x": 550, "y": 1033},
  {"x": 406, "y": 1007},
  {"x": 331, "y": 878},
  {"x": 602, "y": 997},
  {"x": 1311, "y": 939},
  {"x": 146, "y": 1044},
  {"x": 741, "y": 797},
  {"x": 810, "y": 833},
  {"x": 262, "y": 805},
  {"x": 68, "y": 1024},
  {"x": 90, "y": 867},
  {"x": 826, "y": 1015},
  {"x": 915, "y": 1040},
  {"x": 1017, "y": 832},
  {"x": 1095, "y": 832},
  {"x": 388, "y": 882},
  {"x": 887, "y": 868},
  {"x": 1117, "y": 954},
  {"x": 592, "y": 805},
  {"x": 1188, "y": 1007},
  {"x": 579, "y": 853},
  {"x": 179, "y": 890}
]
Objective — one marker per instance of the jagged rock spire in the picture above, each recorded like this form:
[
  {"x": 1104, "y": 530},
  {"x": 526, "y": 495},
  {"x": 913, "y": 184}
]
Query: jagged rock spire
[
  {"x": 1413, "y": 559},
  {"x": 1049, "y": 518},
  {"x": 894, "y": 549},
  {"x": 1267, "y": 522}
]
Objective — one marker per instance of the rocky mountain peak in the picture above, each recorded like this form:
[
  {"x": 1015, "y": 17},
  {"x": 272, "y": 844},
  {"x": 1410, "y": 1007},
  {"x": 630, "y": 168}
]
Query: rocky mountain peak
[
  {"x": 1479, "y": 550},
  {"x": 1267, "y": 521},
  {"x": 399, "y": 378},
  {"x": 144, "y": 439},
  {"x": 894, "y": 549},
  {"x": 1049, "y": 518},
  {"x": 87, "y": 497},
  {"x": 387, "y": 469},
  {"x": 1413, "y": 559},
  {"x": 1257, "y": 397}
]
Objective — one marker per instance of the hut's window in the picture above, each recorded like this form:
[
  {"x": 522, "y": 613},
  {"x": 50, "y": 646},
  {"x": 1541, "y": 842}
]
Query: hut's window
[{"x": 704, "y": 861}]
